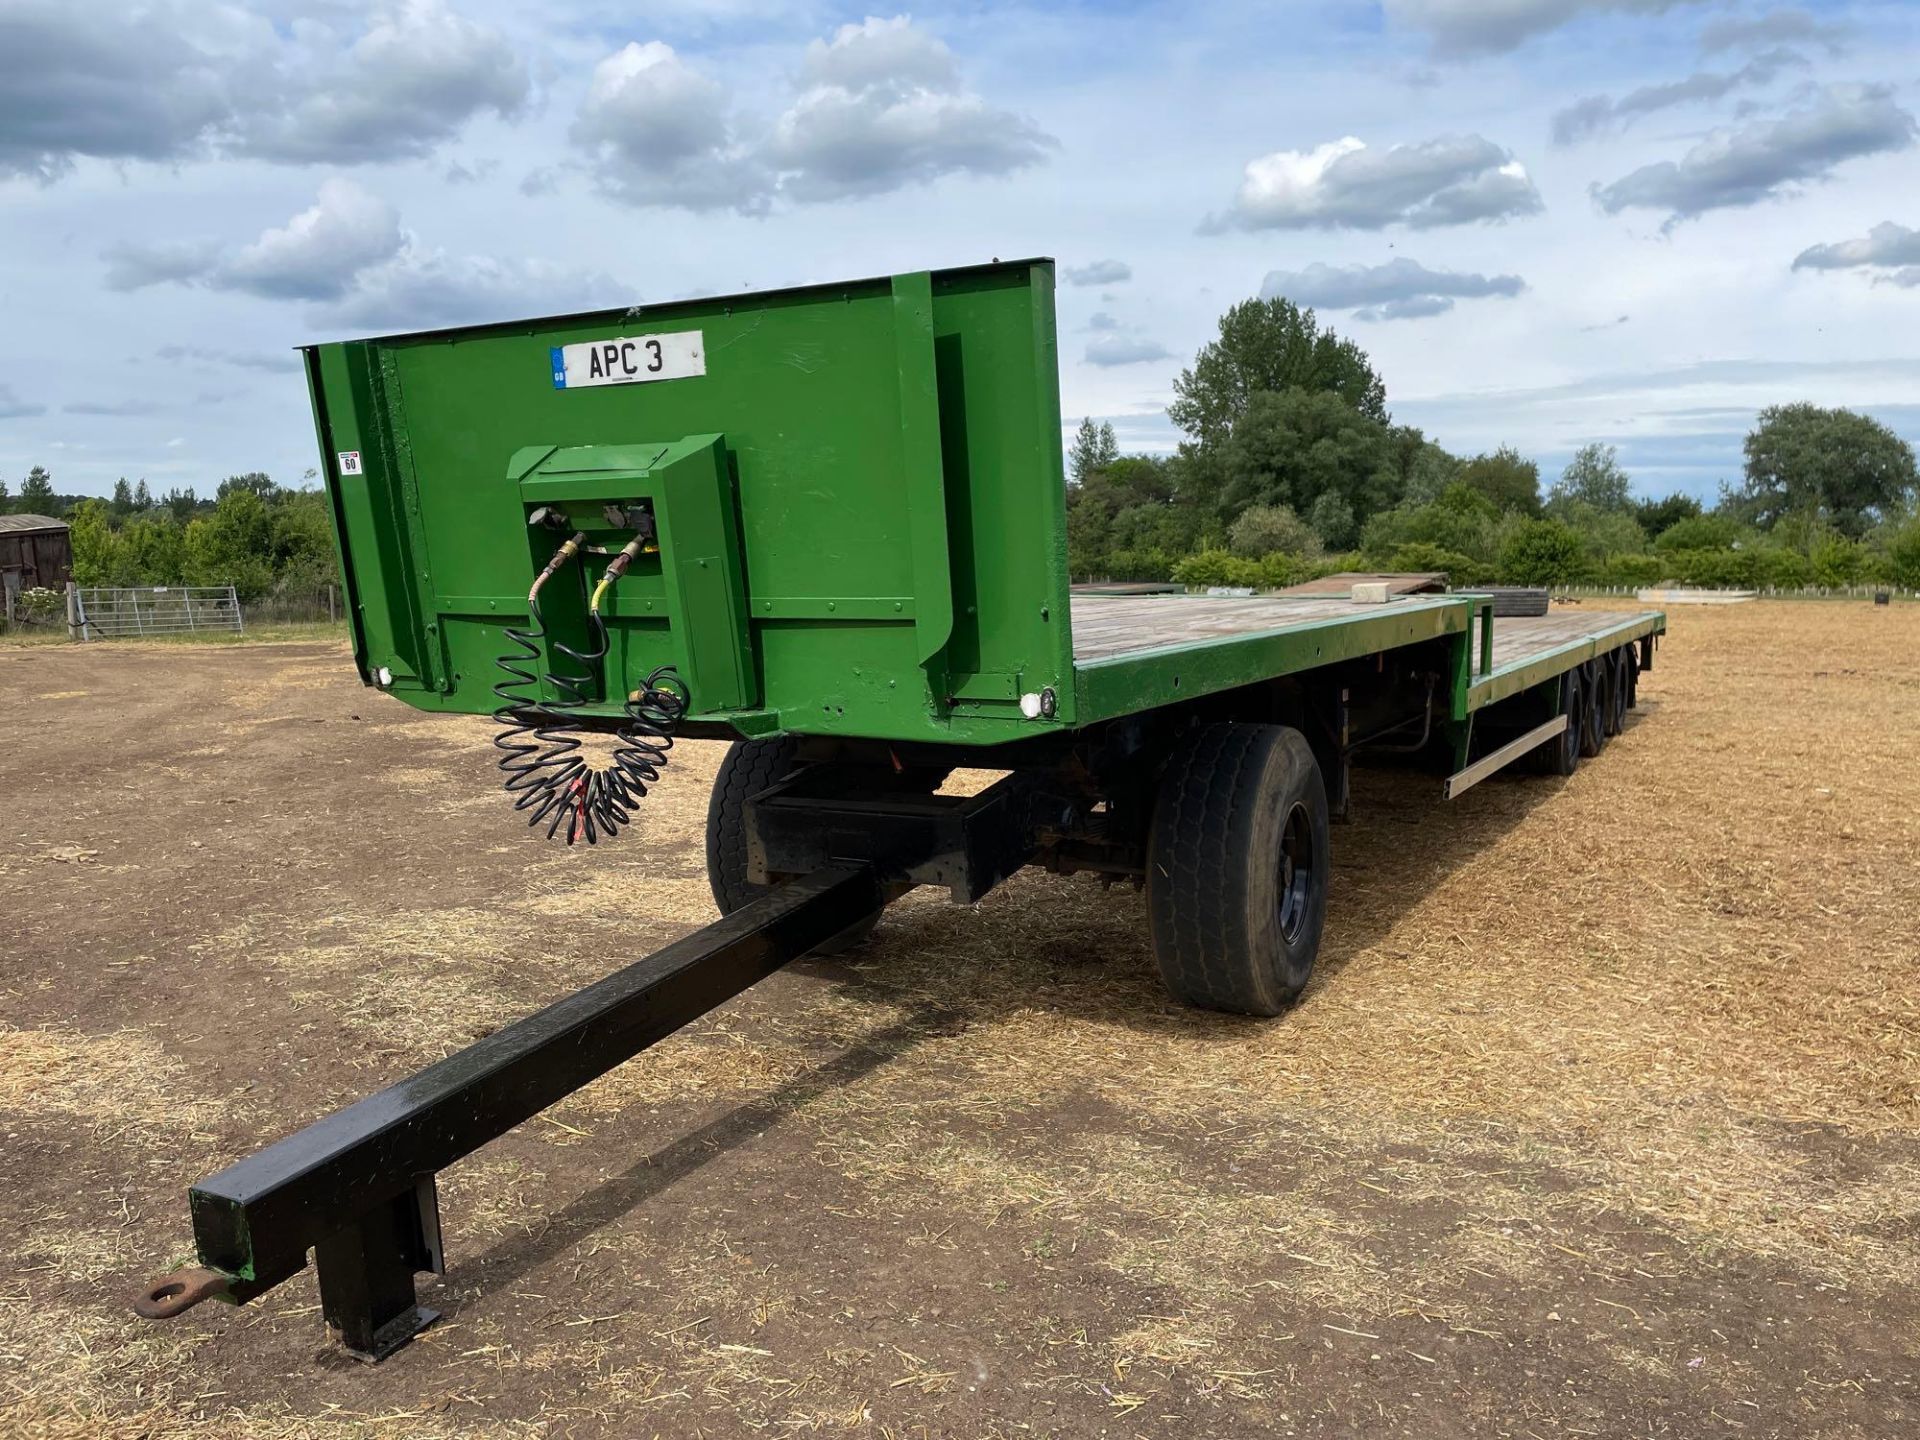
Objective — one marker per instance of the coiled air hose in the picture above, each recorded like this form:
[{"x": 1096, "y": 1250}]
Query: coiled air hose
[{"x": 547, "y": 773}]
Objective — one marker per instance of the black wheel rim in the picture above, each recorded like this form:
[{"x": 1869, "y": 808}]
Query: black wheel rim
[{"x": 1297, "y": 864}]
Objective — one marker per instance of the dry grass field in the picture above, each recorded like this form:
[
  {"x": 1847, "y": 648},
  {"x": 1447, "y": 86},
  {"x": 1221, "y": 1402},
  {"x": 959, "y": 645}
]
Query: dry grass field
[{"x": 1600, "y": 1118}]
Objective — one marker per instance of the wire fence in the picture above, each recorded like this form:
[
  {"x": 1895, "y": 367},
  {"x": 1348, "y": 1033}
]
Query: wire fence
[
  {"x": 110, "y": 613},
  {"x": 1764, "y": 592},
  {"x": 295, "y": 607}
]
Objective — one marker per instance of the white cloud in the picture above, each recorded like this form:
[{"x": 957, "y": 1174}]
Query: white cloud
[
  {"x": 167, "y": 81},
  {"x": 136, "y": 264},
  {"x": 882, "y": 106},
  {"x": 878, "y": 107},
  {"x": 12, "y": 407},
  {"x": 1598, "y": 114},
  {"x": 1488, "y": 27},
  {"x": 430, "y": 289},
  {"x": 1101, "y": 320},
  {"x": 319, "y": 253},
  {"x": 1775, "y": 27},
  {"x": 1111, "y": 349},
  {"x": 1453, "y": 180},
  {"x": 240, "y": 359},
  {"x": 412, "y": 81},
  {"x": 1400, "y": 289},
  {"x": 113, "y": 409},
  {"x": 1098, "y": 272},
  {"x": 1764, "y": 160},
  {"x": 348, "y": 254},
  {"x": 105, "y": 81},
  {"x": 661, "y": 133},
  {"x": 1891, "y": 251}
]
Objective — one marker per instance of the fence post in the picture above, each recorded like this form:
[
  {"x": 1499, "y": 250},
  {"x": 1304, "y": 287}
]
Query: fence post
[{"x": 75, "y": 630}]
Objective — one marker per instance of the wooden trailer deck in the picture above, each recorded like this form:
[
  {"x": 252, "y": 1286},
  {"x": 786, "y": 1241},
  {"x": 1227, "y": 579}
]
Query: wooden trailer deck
[{"x": 1119, "y": 634}]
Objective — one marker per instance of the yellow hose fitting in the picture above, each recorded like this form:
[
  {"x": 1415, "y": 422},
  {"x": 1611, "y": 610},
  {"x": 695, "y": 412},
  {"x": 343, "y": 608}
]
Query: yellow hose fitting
[{"x": 616, "y": 567}]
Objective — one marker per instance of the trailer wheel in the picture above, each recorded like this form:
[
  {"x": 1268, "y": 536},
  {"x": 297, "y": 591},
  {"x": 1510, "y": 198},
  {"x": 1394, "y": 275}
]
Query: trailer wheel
[
  {"x": 1237, "y": 864},
  {"x": 751, "y": 766},
  {"x": 1561, "y": 755},
  {"x": 1631, "y": 662},
  {"x": 1617, "y": 691},
  {"x": 1593, "y": 724}
]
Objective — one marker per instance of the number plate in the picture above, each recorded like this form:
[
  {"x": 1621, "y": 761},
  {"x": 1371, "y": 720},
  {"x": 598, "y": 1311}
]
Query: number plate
[{"x": 629, "y": 360}]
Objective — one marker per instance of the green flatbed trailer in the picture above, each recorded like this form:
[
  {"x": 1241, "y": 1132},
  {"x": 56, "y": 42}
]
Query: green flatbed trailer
[{"x": 829, "y": 525}]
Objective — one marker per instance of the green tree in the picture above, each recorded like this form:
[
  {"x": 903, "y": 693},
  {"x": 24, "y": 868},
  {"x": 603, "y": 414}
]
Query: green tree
[
  {"x": 1267, "y": 346},
  {"x": 1131, "y": 504},
  {"x": 253, "y": 482},
  {"x": 1593, "y": 477},
  {"x": 1333, "y": 520},
  {"x": 142, "y": 497},
  {"x": 1541, "y": 552},
  {"x": 1269, "y": 529},
  {"x": 95, "y": 546},
  {"x": 1420, "y": 558},
  {"x": 152, "y": 550},
  {"x": 1658, "y": 516},
  {"x": 1903, "y": 555},
  {"x": 1507, "y": 478},
  {"x": 183, "y": 504},
  {"x": 36, "y": 493},
  {"x": 1718, "y": 531},
  {"x": 1603, "y": 533},
  {"x": 5, "y": 498},
  {"x": 1430, "y": 471},
  {"x": 233, "y": 545},
  {"x": 301, "y": 541},
  {"x": 1291, "y": 447},
  {"x": 1094, "y": 449},
  {"x": 1462, "y": 521},
  {"x": 1836, "y": 560},
  {"x": 1835, "y": 466},
  {"x": 121, "y": 505}
]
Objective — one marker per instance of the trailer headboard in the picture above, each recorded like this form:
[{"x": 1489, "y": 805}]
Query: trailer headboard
[{"x": 890, "y": 452}]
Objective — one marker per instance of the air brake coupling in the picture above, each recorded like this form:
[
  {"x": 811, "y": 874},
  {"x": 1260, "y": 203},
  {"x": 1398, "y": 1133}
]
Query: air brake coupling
[
  {"x": 560, "y": 557},
  {"x": 616, "y": 567}
]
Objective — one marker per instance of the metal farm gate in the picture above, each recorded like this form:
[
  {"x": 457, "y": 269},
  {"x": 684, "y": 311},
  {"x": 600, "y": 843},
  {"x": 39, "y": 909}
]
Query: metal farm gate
[{"x": 108, "y": 613}]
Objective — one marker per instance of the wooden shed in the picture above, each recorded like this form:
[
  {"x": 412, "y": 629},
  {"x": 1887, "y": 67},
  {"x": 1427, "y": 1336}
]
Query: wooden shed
[{"x": 35, "y": 551}]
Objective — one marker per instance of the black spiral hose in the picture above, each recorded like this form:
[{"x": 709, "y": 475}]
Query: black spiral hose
[{"x": 546, "y": 772}]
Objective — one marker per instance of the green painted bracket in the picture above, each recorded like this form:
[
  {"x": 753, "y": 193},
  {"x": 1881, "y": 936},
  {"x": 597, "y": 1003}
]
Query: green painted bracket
[{"x": 699, "y": 586}]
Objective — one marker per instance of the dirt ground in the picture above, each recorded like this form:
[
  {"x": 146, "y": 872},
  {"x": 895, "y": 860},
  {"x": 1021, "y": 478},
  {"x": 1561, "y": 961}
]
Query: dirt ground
[{"x": 1601, "y": 1116}]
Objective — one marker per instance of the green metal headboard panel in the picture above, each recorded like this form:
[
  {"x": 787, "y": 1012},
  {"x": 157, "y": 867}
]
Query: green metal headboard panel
[{"x": 894, "y": 451}]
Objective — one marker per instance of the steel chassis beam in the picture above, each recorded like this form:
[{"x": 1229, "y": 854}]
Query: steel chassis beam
[{"x": 357, "y": 1188}]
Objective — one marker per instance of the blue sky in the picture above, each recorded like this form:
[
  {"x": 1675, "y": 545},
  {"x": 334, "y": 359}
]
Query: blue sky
[{"x": 1549, "y": 221}]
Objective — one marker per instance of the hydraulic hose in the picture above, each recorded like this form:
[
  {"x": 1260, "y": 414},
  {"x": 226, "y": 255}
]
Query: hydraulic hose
[{"x": 547, "y": 773}]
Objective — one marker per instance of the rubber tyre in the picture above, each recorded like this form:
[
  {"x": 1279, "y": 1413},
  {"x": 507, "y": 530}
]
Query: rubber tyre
[
  {"x": 1632, "y": 653},
  {"x": 751, "y": 766},
  {"x": 1617, "y": 684},
  {"x": 1561, "y": 755},
  {"x": 1593, "y": 723},
  {"x": 1237, "y": 865}
]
